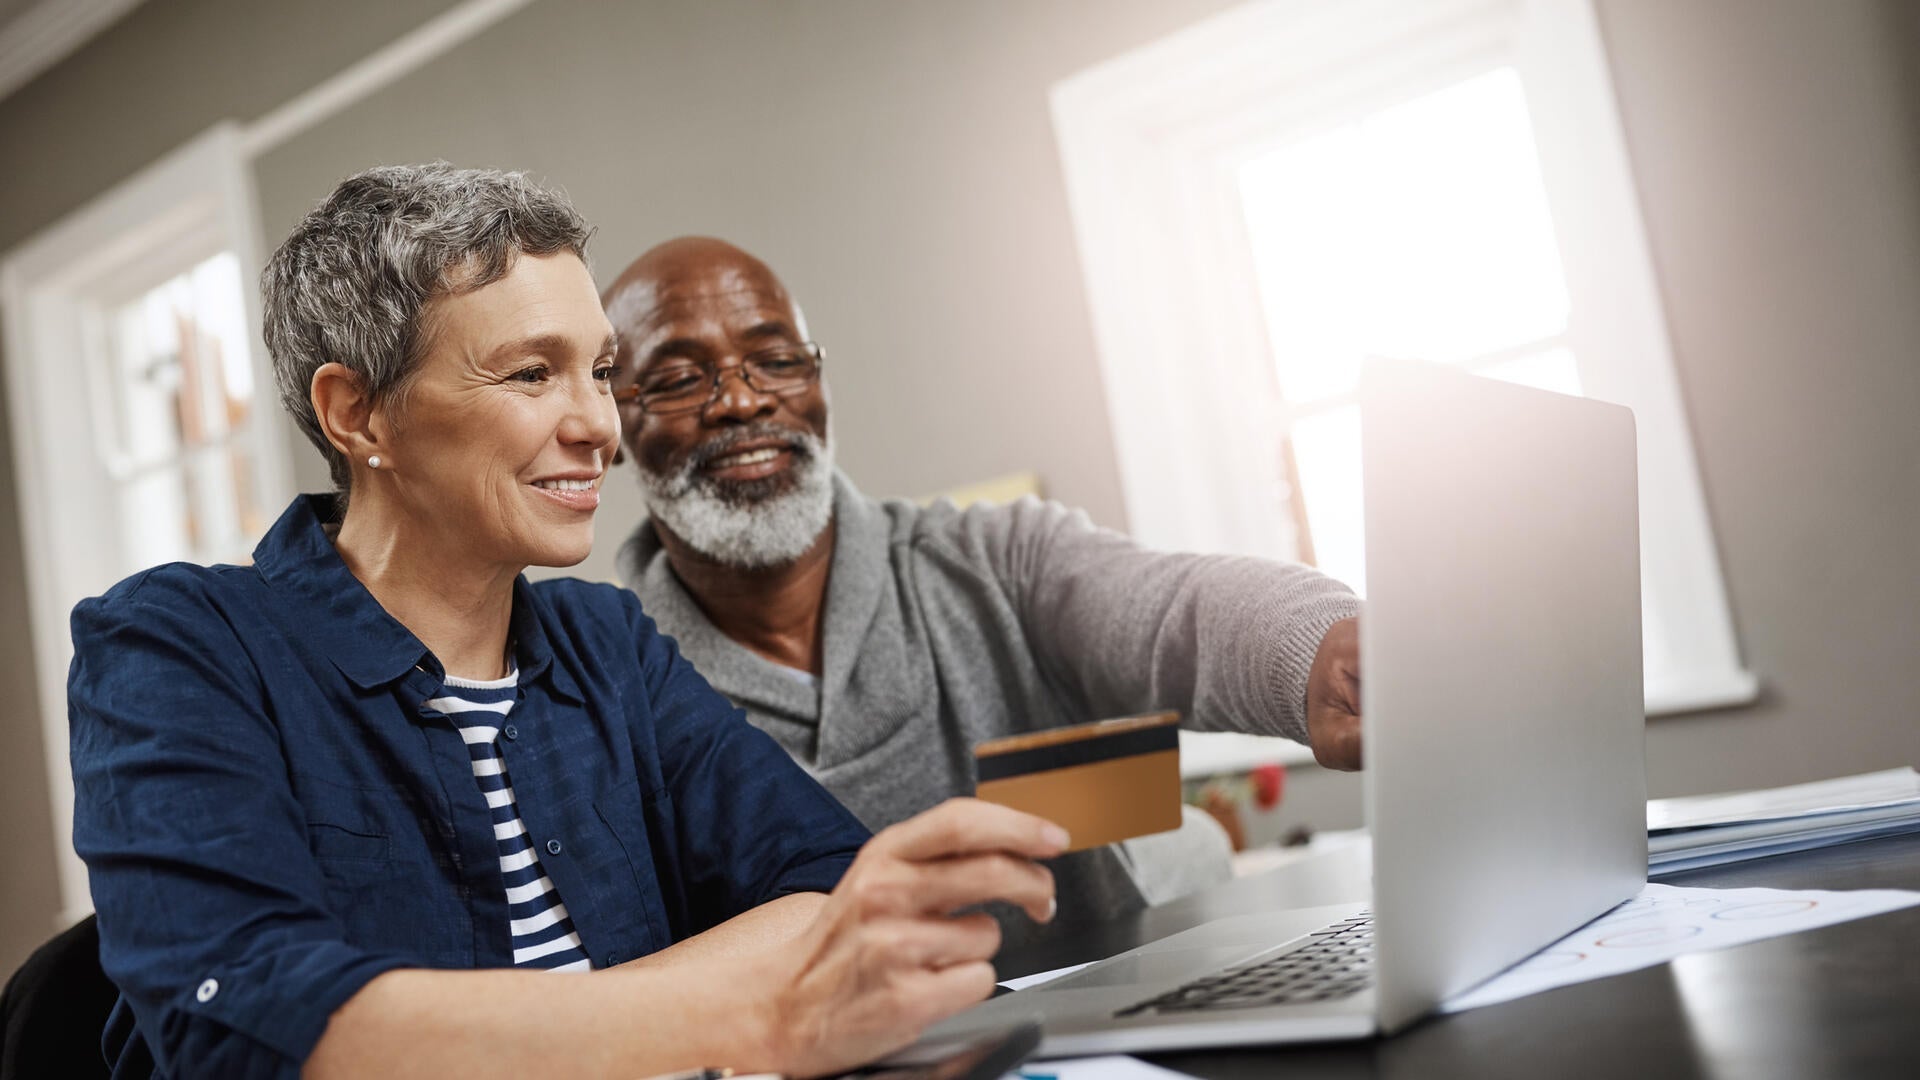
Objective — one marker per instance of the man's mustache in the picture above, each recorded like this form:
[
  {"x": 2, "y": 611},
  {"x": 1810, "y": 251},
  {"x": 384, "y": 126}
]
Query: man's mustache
[
  {"x": 727, "y": 442},
  {"x": 802, "y": 444}
]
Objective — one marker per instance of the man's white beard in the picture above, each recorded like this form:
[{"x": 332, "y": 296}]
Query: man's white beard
[{"x": 733, "y": 523}]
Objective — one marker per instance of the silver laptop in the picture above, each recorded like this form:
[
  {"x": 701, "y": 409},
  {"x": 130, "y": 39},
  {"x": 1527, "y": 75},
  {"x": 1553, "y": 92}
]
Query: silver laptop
[{"x": 1505, "y": 784}]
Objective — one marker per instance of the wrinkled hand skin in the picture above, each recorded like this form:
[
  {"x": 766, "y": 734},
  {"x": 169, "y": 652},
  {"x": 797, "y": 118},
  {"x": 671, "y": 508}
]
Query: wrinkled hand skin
[
  {"x": 887, "y": 955},
  {"x": 1333, "y": 698}
]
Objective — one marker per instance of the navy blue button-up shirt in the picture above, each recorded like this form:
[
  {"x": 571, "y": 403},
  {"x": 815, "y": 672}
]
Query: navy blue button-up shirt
[{"x": 270, "y": 818}]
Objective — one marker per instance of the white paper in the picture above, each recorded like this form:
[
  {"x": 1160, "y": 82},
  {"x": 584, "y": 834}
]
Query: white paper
[
  {"x": 1840, "y": 824},
  {"x": 1110, "y": 1067},
  {"x": 1700, "y": 855},
  {"x": 1884, "y": 788},
  {"x": 1666, "y": 921},
  {"x": 1036, "y": 979}
]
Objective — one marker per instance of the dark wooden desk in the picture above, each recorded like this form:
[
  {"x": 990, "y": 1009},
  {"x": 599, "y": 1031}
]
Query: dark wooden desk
[{"x": 1842, "y": 1001}]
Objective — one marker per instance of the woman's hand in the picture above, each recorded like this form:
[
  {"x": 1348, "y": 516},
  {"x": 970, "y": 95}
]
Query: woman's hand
[{"x": 887, "y": 957}]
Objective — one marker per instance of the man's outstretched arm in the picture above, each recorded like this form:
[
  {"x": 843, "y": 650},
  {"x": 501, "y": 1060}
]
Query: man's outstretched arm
[{"x": 1234, "y": 643}]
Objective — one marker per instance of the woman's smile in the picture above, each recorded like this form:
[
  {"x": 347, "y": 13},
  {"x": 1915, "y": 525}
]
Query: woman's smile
[{"x": 580, "y": 493}]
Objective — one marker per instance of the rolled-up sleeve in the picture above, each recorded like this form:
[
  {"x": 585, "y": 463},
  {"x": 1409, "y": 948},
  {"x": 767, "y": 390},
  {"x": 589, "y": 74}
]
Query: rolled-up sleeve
[
  {"x": 208, "y": 896},
  {"x": 753, "y": 825}
]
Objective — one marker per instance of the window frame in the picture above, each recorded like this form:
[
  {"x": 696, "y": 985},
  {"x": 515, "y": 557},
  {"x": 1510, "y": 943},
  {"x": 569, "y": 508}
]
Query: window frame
[
  {"x": 55, "y": 290},
  {"x": 1151, "y": 145}
]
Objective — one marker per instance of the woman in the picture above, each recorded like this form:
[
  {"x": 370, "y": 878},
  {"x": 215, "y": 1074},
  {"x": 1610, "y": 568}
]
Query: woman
[{"x": 312, "y": 790}]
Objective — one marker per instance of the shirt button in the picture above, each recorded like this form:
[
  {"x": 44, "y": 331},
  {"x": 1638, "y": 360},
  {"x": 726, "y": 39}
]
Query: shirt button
[
  {"x": 510, "y": 731},
  {"x": 612, "y": 961},
  {"x": 206, "y": 991},
  {"x": 553, "y": 848}
]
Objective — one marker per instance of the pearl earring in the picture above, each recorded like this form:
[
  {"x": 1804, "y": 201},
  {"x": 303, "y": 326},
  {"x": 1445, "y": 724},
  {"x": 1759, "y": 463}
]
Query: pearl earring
[{"x": 373, "y": 462}]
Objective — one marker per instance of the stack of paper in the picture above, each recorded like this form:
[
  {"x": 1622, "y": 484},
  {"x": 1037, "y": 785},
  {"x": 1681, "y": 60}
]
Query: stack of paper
[{"x": 1706, "y": 830}]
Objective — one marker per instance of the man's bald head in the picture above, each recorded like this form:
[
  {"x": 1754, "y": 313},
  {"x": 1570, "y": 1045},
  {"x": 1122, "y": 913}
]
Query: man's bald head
[
  {"x": 736, "y": 464},
  {"x": 687, "y": 270}
]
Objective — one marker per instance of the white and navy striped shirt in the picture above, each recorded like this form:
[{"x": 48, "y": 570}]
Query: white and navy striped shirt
[{"x": 543, "y": 935}]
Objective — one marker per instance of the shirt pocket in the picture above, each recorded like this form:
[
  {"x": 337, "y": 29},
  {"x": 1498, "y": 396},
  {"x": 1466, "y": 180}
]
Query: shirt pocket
[
  {"x": 331, "y": 842},
  {"x": 636, "y": 884},
  {"x": 387, "y": 904}
]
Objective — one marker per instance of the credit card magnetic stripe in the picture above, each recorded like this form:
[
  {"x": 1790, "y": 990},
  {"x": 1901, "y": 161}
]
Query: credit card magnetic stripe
[{"x": 1079, "y": 752}]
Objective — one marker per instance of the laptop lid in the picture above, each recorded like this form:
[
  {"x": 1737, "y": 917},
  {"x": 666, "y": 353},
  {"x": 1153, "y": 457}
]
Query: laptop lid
[{"x": 1503, "y": 709}]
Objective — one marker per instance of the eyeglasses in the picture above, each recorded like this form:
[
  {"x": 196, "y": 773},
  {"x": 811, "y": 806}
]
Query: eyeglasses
[{"x": 679, "y": 386}]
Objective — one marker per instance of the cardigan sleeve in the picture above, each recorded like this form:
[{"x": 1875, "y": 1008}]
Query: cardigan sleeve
[{"x": 1226, "y": 640}]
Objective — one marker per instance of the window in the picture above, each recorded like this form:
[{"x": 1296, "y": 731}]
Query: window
[
  {"x": 1418, "y": 230},
  {"x": 1275, "y": 193},
  {"x": 174, "y": 384},
  {"x": 133, "y": 391}
]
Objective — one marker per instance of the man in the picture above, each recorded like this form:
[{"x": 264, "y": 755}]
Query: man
[{"x": 878, "y": 642}]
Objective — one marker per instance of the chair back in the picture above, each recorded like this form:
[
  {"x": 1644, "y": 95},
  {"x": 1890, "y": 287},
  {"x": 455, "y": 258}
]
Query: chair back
[{"x": 55, "y": 1007}]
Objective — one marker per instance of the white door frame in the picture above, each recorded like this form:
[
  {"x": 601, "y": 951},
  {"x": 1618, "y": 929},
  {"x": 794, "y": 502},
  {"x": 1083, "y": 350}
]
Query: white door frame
[{"x": 55, "y": 289}]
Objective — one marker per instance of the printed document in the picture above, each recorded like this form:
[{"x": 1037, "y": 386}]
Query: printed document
[{"x": 1666, "y": 921}]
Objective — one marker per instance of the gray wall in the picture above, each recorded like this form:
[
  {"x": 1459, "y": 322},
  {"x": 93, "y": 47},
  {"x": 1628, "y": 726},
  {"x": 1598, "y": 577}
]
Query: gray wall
[
  {"x": 894, "y": 161},
  {"x": 1776, "y": 150}
]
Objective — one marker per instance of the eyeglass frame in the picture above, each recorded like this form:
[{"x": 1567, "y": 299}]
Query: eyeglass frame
[{"x": 633, "y": 395}]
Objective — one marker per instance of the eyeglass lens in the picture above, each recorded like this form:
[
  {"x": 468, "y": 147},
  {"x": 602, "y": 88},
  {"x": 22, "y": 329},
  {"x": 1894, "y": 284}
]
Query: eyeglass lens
[{"x": 678, "y": 387}]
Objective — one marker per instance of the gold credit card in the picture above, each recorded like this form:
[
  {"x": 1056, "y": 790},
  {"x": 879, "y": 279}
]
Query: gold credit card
[{"x": 1105, "y": 781}]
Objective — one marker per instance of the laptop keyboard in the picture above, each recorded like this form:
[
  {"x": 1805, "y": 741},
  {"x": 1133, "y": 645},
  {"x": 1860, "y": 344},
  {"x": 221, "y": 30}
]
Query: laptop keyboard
[{"x": 1335, "y": 963}]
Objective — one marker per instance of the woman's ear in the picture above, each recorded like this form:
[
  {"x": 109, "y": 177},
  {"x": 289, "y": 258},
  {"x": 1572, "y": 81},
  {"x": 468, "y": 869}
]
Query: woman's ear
[{"x": 345, "y": 410}]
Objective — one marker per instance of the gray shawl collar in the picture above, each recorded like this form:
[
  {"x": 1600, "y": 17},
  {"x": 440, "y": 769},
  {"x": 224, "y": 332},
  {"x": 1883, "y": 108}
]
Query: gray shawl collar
[{"x": 857, "y": 584}]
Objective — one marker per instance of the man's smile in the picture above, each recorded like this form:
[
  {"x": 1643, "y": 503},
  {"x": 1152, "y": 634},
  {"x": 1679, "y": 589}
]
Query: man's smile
[{"x": 754, "y": 464}]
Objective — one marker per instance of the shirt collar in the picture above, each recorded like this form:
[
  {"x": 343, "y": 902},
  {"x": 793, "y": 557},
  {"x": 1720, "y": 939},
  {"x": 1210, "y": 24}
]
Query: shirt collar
[
  {"x": 335, "y": 612},
  {"x": 533, "y": 650}
]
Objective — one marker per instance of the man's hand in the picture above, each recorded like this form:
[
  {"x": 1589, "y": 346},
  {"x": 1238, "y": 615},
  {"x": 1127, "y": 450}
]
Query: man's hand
[
  {"x": 887, "y": 956},
  {"x": 1333, "y": 698}
]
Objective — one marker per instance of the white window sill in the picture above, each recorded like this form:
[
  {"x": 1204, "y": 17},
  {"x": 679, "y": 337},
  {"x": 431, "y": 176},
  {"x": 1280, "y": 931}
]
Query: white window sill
[
  {"x": 1216, "y": 753},
  {"x": 1699, "y": 693},
  {"x": 1213, "y": 753}
]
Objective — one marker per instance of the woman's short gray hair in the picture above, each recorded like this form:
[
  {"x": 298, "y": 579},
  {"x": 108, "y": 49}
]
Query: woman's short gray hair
[{"x": 349, "y": 285}]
